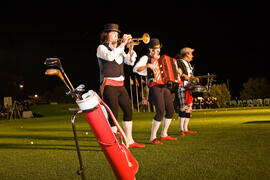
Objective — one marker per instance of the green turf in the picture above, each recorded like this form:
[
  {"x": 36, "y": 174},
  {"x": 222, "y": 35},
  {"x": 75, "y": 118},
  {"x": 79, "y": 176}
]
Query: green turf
[{"x": 230, "y": 144}]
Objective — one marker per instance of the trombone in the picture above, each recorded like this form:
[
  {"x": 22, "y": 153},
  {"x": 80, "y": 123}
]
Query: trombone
[{"x": 136, "y": 41}]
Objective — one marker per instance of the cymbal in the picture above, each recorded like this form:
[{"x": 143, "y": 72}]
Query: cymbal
[{"x": 207, "y": 76}]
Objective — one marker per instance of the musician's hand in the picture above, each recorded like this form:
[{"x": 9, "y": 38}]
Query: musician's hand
[
  {"x": 185, "y": 76},
  {"x": 126, "y": 38},
  {"x": 151, "y": 66},
  {"x": 194, "y": 79},
  {"x": 131, "y": 52}
]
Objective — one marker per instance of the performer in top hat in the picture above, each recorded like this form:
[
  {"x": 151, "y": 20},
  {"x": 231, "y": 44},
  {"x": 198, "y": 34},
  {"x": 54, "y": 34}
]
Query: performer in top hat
[
  {"x": 183, "y": 97},
  {"x": 160, "y": 95},
  {"x": 111, "y": 58}
]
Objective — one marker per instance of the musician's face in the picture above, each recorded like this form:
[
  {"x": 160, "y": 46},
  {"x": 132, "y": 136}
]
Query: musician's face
[
  {"x": 154, "y": 52},
  {"x": 113, "y": 37},
  {"x": 189, "y": 56}
]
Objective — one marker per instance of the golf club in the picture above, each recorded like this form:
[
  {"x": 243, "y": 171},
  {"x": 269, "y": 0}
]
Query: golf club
[
  {"x": 61, "y": 74},
  {"x": 56, "y": 62},
  {"x": 57, "y": 72},
  {"x": 53, "y": 62}
]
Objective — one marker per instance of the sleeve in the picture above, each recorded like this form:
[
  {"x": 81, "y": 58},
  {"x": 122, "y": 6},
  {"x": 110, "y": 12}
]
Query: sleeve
[
  {"x": 142, "y": 62},
  {"x": 104, "y": 53},
  {"x": 130, "y": 60},
  {"x": 182, "y": 66}
]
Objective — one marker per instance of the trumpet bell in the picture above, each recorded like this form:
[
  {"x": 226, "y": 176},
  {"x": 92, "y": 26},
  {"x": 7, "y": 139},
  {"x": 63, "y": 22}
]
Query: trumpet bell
[
  {"x": 146, "y": 38},
  {"x": 135, "y": 41}
]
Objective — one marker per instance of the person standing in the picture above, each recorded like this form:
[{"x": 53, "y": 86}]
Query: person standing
[
  {"x": 111, "y": 59},
  {"x": 159, "y": 94},
  {"x": 184, "y": 96}
]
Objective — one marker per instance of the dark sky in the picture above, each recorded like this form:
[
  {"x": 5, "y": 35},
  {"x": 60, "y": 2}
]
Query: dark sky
[{"x": 229, "y": 39}]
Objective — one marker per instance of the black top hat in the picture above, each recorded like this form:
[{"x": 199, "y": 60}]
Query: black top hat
[
  {"x": 111, "y": 27},
  {"x": 154, "y": 44}
]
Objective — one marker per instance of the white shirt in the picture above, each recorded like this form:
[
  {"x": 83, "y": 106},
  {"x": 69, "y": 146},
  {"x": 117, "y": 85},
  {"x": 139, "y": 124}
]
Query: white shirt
[
  {"x": 189, "y": 70},
  {"x": 142, "y": 62},
  {"x": 188, "y": 67},
  {"x": 116, "y": 54}
]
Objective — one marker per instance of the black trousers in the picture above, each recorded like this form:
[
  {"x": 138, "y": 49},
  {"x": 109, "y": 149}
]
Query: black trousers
[
  {"x": 115, "y": 96},
  {"x": 161, "y": 97}
]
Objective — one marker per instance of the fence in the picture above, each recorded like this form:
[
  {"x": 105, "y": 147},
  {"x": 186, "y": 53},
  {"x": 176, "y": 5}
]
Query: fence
[{"x": 248, "y": 103}]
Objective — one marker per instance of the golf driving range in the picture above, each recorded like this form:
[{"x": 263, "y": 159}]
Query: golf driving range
[{"x": 231, "y": 143}]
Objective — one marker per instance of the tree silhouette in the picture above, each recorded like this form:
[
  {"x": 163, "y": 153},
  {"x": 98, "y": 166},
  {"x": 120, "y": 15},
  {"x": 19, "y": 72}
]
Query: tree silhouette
[{"x": 255, "y": 88}]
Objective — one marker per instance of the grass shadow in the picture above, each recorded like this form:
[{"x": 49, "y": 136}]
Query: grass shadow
[
  {"x": 45, "y": 137},
  {"x": 67, "y": 147},
  {"x": 57, "y": 129},
  {"x": 256, "y": 122}
]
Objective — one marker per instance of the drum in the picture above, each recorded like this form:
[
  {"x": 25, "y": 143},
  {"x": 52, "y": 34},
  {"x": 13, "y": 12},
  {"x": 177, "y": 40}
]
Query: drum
[{"x": 199, "y": 88}]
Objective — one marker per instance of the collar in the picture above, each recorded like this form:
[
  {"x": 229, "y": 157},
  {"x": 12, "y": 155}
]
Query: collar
[{"x": 111, "y": 46}]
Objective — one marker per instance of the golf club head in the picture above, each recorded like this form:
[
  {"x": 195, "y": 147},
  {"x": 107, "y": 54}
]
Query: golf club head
[
  {"x": 53, "y": 62},
  {"x": 61, "y": 74},
  {"x": 54, "y": 72}
]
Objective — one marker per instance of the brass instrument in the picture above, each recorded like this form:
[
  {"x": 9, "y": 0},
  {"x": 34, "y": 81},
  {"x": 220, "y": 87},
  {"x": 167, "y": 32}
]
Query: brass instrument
[{"x": 135, "y": 41}]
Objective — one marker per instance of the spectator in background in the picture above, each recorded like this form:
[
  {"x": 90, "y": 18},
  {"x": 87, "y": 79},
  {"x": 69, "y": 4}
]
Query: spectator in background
[
  {"x": 144, "y": 104},
  {"x": 196, "y": 103}
]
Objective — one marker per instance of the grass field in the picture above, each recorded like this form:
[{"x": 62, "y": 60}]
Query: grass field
[{"x": 230, "y": 144}]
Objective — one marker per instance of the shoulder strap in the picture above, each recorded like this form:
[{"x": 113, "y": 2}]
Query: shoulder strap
[{"x": 149, "y": 59}]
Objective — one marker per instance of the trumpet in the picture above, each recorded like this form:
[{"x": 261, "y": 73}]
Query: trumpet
[{"x": 136, "y": 41}]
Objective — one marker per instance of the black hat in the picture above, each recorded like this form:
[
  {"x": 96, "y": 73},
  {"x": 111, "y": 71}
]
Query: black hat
[
  {"x": 154, "y": 44},
  {"x": 111, "y": 27}
]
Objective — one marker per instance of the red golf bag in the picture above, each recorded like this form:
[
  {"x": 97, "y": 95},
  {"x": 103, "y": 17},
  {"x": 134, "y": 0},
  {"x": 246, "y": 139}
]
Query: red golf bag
[{"x": 121, "y": 160}]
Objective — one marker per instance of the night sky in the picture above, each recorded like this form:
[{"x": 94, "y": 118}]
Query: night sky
[{"x": 229, "y": 39}]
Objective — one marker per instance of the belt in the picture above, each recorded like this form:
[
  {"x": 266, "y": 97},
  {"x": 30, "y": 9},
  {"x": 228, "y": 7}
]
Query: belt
[{"x": 110, "y": 82}]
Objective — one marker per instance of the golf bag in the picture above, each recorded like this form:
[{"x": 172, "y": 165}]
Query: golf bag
[
  {"x": 121, "y": 160},
  {"x": 124, "y": 165}
]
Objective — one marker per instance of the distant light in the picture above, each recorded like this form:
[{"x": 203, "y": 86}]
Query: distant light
[
  {"x": 21, "y": 85},
  {"x": 35, "y": 95}
]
